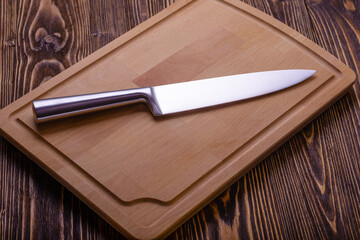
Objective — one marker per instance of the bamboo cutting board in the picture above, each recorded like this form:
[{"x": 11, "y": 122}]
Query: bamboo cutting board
[{"x": 147, "y": 175}]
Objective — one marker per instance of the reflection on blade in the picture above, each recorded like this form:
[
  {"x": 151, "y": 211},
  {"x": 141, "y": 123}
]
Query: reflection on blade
[{"x": 186, "y": 96}]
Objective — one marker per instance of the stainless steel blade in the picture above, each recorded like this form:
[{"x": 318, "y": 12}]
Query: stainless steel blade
[{"x": 179, "y": 97}]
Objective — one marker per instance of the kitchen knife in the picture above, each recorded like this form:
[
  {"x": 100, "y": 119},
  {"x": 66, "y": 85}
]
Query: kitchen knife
[{"x": 174, "y": 98}]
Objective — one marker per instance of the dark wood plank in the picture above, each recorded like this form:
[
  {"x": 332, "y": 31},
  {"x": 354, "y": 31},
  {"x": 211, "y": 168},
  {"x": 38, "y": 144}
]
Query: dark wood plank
[{"x": 308, "y": 188}]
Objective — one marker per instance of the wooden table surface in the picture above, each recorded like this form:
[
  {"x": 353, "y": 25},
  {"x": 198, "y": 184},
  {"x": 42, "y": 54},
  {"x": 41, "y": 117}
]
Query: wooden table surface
[{"x": 308, "y": 189}]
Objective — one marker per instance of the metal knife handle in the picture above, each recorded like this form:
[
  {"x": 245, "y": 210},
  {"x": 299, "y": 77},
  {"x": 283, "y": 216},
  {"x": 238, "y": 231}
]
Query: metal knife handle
[{"x": 55, "y": 108}]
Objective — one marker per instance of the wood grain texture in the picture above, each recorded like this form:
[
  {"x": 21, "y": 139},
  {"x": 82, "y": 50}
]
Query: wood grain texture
[{"x": 309, "y": 188}]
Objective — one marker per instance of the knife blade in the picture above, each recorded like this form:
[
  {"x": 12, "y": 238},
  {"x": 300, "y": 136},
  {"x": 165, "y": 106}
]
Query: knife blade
[{"x": 174, "y": 98}]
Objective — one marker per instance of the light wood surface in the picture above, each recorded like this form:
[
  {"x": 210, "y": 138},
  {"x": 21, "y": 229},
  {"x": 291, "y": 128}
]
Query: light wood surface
[{"x": 239, "y": 140}]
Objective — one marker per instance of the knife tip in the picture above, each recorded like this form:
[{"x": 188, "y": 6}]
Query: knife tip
[
  {"x": 307, "y": 73},
  {"x": 311, "y": 72}
]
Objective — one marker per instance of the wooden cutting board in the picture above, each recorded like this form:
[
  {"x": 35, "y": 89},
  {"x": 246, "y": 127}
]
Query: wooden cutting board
[{"x": 147, "y": 175}]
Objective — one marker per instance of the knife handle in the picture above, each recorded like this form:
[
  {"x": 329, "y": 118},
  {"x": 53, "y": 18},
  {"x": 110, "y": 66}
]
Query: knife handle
[{"x": 61, "y": 107}]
